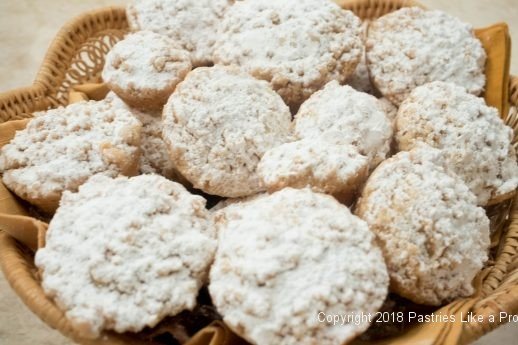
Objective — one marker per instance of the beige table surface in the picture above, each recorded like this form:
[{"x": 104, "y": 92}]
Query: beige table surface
[{"x": 26, "y": 28}]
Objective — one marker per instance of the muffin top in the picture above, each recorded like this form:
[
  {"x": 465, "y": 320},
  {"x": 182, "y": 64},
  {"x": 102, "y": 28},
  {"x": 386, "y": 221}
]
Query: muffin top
[
  {"x": 475, "y": 140},
  {"x": 359, "y": 117},
  {"x": 434, "y": 237},
  {"x": 138, "y": 250},
  {"x": 61, "y": 148},
  {"x": 218, "y": 124},
  {"x": 145, "y": 62},
  {"x": 191, "y": 24},
  {"x": 328, "y": 164},
  {"x": 297, "y": 46},
  {"x": 412, "y": 46},
  {"x": 284, "y": 258},
  {"x": 154, "y": 156}
]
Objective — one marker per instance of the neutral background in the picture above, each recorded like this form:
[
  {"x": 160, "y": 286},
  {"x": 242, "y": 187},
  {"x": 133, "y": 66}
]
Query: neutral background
[{"x": 26, "y": 29}]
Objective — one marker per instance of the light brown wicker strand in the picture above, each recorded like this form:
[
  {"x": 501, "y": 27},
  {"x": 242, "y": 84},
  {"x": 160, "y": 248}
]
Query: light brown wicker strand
[
  {"x": 15, "y": 103},
  {"x": 513, "y": 91},
  {"x": 370, "y": 9},
  {"x": 512, "y": 121},
  {"x": 86, "y": 66}
]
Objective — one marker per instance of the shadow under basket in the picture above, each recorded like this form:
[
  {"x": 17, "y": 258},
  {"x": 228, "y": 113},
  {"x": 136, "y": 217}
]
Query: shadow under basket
[{"x": 76, "y": 57}]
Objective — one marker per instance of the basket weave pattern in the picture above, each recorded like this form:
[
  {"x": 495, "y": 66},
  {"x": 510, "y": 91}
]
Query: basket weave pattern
[{"x": 76, "y": 56}]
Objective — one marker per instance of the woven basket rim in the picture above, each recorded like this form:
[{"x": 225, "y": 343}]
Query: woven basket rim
[
  {"x": 503, "y": 276},
  {"x": 70, "y": 27},
  {"x": 51, "y": 72}
]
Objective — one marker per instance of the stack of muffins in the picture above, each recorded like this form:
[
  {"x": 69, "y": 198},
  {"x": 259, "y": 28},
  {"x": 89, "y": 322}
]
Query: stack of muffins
[{"x": 352, "y": 160}]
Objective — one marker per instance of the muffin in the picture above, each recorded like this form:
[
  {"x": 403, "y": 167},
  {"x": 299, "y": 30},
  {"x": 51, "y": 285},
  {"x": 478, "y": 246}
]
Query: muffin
[
  {"x": 296, "y": 45},
  {"x": 138, "y": 250},
  {"x": 218, "y": 124},
  {"x": 476, "y": 142},
  {"x": 286, "y": 260},
  {"x": 190, "y": 24},
  {"x": 359, "y": 118},
  {"x": 144, "y": 68},
  {"x": 61, "y": 148},
  {"x": 327, "y": 164},
  {"x": 411, "y": 47},
  {"x": 434, "y": 237}
]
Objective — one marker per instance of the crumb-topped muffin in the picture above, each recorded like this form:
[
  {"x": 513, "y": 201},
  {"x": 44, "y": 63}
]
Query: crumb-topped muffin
[
  {"x": 192, "y": 24},
  {"x": 328, "y": 164},
  {"x": 218, "y": 124},
  {"x": 154, "y": 156},
  {"x": 144, "y": 68},
  {"x": 284, "y": 258},
  {"x": 296, "y": 45},
  {"x": 475, "y": 140},
  {"x": 61, "y": 148},
  {"x": 434, "y": 237},
  {"x": 411, "y": 47},
  {"x": 360, "y": 118},
  {"x": 121, "y": 254}
]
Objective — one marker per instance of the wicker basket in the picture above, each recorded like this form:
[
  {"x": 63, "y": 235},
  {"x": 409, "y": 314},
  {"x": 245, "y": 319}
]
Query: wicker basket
[{"x": 76, "y": 56}]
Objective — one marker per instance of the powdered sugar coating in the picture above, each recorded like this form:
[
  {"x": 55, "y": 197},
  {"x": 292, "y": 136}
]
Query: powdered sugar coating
[
  {"x": 433, "y": 236},
  {"x": 412, "y": 46},
  {"x": 286, "y": 257},
  {"x": 475, "y": 140},
  {"x": 327, "y": 164},
  {"x": 154, "y": 157},
  {"x": 296, "y": 45},
  {"x": 144, "y": 69},
  {"x": 61, "y": 148},
  {"x": 191, "y": 24},
  {"x": 138, "y": 250},
  {"x": 360, "y": 118},
  {"x": 218, "y": 124}
]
